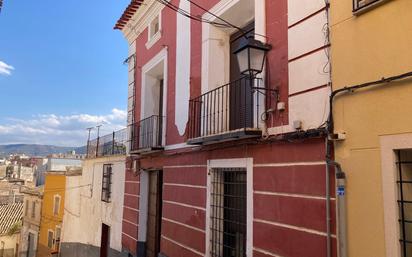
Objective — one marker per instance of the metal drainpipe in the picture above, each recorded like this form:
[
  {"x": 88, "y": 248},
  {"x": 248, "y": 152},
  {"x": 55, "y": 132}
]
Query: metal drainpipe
[
  {"x": 328, "y": 232},
  {"x": 340, "y": 209}
]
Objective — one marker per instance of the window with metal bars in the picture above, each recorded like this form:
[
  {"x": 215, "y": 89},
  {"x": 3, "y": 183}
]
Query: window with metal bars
[
  {"x": 359, "y": 5},
  {"x": 228, "y": 213},
  {"x": 106, "y": 182},
  {"x": 404, "y": 185}
]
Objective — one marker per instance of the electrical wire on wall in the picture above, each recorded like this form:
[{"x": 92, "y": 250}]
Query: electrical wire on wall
[{"x": 222, "y": 24}]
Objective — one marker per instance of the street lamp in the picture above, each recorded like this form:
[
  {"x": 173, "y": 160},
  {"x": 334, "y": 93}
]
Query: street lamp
[{"x": 251, "y": 55}]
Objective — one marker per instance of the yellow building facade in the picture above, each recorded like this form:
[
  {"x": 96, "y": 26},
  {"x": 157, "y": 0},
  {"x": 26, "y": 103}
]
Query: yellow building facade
[
  {"x": 52, "y": 214},
  {"x": 372, "y": 40}
]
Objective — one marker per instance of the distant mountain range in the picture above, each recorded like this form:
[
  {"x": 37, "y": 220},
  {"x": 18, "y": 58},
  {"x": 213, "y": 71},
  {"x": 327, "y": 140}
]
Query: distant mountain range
[{"x": 38, "y": 150}]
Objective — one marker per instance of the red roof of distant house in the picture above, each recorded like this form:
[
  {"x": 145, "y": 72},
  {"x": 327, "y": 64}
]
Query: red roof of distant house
[{"x": 128, "y": 13}]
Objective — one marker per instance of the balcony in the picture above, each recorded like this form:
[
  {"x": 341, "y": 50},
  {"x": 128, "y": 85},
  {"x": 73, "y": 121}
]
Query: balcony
[
  {"x": 108, "y": 145},
  {"x": 229, "y": 112},
  {"x": 147, "y": 135}
]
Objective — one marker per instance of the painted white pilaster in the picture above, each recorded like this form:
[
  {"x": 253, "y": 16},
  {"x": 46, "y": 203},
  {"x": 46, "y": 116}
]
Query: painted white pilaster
[{"x": 183, "y": 51}]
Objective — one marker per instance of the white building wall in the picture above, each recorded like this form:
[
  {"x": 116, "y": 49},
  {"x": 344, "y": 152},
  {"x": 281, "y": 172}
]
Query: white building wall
[{"x": 85, "y": 211}]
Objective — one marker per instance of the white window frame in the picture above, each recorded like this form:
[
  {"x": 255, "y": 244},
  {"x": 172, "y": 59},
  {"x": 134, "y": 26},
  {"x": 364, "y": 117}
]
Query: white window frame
[
  {"x": 388, "y": 145},
  {"x": 153, "y": 38},
  {"x": 54, "y": 204},
  {"x": 162, "y": 56},
  {"x": 242, "y": 163}
]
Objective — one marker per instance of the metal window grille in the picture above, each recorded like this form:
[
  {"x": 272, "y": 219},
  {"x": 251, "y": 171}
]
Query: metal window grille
[
  {"x": 404, "y": 184},
  {"x": 106, "y": 182},
  {"x": 362, "y": 4},
  {"x": 228, "y": 213}
]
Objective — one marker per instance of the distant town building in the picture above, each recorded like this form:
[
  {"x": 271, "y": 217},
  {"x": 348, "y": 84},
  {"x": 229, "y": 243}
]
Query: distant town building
[
  {"x": 56, "y": 163},
  {"x": 31, "y": 221},
  {"x": 51, "y": 214}
]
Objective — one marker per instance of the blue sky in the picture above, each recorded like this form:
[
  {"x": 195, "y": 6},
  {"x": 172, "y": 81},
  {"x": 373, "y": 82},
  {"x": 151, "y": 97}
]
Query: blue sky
[{"x": 60, "y": 70}]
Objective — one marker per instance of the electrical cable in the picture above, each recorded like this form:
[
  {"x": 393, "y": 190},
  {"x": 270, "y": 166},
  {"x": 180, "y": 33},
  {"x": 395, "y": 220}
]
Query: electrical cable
[
  {"x": 225, "y": 24},
  {"x": 357, "y": 87}
]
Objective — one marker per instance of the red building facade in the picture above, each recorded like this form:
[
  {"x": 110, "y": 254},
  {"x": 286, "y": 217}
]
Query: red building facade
[{"x": 220, "y": 164}]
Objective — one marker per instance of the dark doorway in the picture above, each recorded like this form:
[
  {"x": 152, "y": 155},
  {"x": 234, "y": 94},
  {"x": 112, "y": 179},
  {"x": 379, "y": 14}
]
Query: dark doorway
[
  {"x": 104, "y": 243},
  {"x": 241, "y": 92},
  {"x": 154, "y": 217},
  {"x": 30, "y": 246}
]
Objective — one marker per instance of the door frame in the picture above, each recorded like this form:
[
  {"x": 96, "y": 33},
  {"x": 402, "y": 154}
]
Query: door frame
[{"x": 144, "y": 210}]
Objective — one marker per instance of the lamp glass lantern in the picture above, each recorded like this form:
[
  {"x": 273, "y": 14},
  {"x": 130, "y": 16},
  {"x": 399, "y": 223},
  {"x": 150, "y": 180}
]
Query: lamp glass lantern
[{"x": 251, "y": 55}]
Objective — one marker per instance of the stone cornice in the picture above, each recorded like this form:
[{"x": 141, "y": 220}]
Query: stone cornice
[{"x": 137, "y": 24}]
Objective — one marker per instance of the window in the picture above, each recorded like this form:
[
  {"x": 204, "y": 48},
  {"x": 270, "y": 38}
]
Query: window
[
  {"x": 106, "y": 182},
  {"x": 26, "y": 208},
  {"x": 154, "y": 27},
  {"x": 56, "y": 205},
  {"x": 228, "y": 212},
  {"x": 360, "y": 5},
  {"x": 50, "y": 238},
  {"x": 404, "y": 185},
  {"x": 1, "y": 248},
  {"x": 33, "y": 210},
  {"x": 154, "y": 31}
]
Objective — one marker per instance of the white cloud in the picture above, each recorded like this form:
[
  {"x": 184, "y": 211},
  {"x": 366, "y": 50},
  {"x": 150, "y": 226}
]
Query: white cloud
[
  {"x": 62, "y": 130},
  {"x": 5, "y": 69}
]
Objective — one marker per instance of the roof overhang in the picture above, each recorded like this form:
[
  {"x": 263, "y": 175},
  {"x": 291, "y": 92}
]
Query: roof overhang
[{"x": 128, "y": 13}]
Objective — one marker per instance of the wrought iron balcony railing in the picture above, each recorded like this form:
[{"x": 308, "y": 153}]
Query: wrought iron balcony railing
[
  {"x": 111, "y": 144},
  {"x": 147, "y": 134},
  {"x": 228, "y": 112}
]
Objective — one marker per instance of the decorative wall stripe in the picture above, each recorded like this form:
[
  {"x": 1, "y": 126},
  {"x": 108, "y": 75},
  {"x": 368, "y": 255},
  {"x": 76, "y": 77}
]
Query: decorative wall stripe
[
  {"x": 134, "y": 224},
  {"x": 129, "y": 236},
  {"x": 132, "y": 195},
  {"x": 307, "y": 17},
  {"x": 185, "y": 166},
  {"x": 293, "y": 195},
  {"x": 132, "y": 182},
  {"x": 288, "y": 164},
  {"x": 308, "y": 90},
  {"x": 183, "y": 246},
  {"x": 185, "y": 205},
  {"x": 133, "y": 209},
  {"x": 184, "y": 185},
  {"x": 265, "y": 252},
  {"x": 302, "y": 229},
  {"x": 309, "y": 53},
  {"x": 184, "y": 225}
]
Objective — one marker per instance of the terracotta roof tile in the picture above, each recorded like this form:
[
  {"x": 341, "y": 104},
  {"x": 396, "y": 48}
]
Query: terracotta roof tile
[
  {"x": 128, "y": 13},
  {"x": 10, "y": 214}
]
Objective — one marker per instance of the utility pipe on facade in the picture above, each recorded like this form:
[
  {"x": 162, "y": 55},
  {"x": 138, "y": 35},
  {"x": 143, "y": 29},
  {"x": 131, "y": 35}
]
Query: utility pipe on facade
[{"x": 340, "y": 175}]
